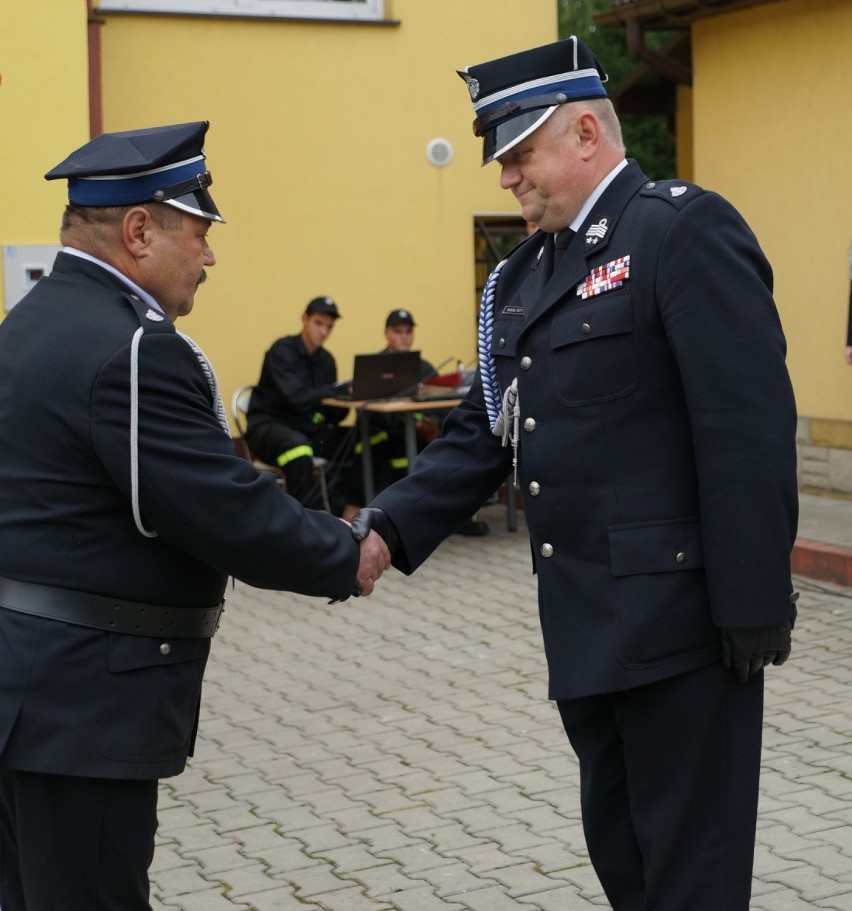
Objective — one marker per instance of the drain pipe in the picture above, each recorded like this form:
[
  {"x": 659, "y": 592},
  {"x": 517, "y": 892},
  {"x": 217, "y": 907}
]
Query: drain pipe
[{"x": 96, "y": 126}]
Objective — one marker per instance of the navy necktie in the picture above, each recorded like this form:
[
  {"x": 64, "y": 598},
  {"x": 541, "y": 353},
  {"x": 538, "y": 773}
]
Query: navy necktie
[{"x": 560, "y": 245}]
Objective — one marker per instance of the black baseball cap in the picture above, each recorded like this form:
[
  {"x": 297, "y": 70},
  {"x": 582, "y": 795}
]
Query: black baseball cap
[
  {"x": 399, "y": 318},
  {"x": 323, "y": 305}
]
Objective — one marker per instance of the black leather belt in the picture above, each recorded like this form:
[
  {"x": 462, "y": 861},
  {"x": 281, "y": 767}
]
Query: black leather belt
[{"x": 110, "y": 614}]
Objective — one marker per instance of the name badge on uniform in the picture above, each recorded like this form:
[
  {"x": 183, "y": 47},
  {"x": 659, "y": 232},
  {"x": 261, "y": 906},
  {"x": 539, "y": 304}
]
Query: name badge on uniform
[{"x": 605, "y": 278}]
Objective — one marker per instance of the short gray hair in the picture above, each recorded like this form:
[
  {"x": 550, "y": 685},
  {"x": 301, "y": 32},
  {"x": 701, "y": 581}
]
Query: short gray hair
[{"x": 604, "y": 112}]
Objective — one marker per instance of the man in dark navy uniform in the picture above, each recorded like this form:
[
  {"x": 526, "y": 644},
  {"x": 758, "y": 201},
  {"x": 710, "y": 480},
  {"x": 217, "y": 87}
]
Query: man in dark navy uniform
[
  {"x": 632, "y": 366},
  {"x": 123, "y": 510}
]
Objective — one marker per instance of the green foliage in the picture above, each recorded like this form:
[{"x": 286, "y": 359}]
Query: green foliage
[{"x": 646, "y": 136}]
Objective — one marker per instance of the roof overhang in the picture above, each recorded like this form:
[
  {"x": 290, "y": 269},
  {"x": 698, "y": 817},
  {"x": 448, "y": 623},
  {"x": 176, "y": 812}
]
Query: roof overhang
[
  {"x": 669, "y": 14},
  {"x": 651, "y": 87}
]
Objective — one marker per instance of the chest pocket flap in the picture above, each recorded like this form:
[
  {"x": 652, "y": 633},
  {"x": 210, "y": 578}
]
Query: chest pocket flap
[{"x": 597, "y": 317}]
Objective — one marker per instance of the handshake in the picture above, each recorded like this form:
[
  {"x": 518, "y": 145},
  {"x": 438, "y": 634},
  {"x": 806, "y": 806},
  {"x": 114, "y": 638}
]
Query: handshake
[{"x": 378, "y": 538}]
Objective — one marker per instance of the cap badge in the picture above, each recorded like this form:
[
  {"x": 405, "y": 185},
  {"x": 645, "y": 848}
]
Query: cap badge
[
  {"x": 472, "y": 85},
  {"x": 678, "y": 191},
  {"x": 152, "y": 315},
  {"x": 596, "y": 233}
]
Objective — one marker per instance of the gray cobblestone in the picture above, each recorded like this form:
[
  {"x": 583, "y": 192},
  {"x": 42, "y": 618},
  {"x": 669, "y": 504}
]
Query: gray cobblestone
[{"x": 399, "y": 753}]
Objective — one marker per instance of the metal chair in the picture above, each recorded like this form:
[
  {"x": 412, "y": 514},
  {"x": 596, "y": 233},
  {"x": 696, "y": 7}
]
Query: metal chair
[{"x": 239, "y": 409}]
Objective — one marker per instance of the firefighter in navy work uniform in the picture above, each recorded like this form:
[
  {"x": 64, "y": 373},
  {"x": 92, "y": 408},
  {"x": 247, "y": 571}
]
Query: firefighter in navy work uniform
[
  {"x": 633, "y": 364},
  {"x": 123, "y": 510}
]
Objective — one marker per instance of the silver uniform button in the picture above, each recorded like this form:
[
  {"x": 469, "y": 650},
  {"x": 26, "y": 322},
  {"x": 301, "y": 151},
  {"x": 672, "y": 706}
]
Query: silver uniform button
[
  {"x": 526, "y": 363},
  {"x": 529, "y": 425},
  {"x": 165, "y": 649},
  {"x": 680, "y": 557},
  {"x": 586, "y": 328},
  {"x": 501, "y": 343},
  {"x": 547, "y": 550},
  {"x": 535, "y": 488}
]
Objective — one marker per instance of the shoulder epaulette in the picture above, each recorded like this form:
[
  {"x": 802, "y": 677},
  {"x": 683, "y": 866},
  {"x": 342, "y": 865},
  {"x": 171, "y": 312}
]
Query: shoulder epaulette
[
  {"x": 150, "y": 319},
  {"x": 676, "y": 192}
]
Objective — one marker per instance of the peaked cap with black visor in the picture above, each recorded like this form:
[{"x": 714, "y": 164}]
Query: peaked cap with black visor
[
  {"x": 513, "y": 96},
  {"x": 158, "y": 164}
]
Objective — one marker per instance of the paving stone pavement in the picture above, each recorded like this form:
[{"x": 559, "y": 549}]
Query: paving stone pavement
[{"x": 398, "y": 753}]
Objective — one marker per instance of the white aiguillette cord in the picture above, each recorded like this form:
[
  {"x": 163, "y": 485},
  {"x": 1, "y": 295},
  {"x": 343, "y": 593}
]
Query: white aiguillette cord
[{"x": 212, "y": 382}]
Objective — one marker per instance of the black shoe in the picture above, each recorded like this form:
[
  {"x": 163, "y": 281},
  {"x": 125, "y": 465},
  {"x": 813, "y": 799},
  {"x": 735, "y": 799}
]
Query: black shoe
[{"x": 474, "y": 528}]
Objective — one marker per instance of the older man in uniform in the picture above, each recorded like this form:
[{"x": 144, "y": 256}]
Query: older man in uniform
[
  {"x": 632, "y": 366},
  {"x": 123, "y": 510}
]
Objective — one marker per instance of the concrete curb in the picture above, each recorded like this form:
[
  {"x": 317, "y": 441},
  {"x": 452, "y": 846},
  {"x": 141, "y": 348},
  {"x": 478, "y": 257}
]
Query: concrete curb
[{"x": 825, "y": 562}]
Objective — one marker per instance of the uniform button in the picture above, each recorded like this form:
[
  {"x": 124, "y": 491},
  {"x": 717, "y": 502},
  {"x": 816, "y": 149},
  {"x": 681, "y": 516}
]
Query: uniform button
[
  {"x": 586, "y": 328},
  {"x": 650, "y": 185},
  {"x": 547, "y": 550},
  {"x": 165, "y": 649},
  {"x": 501, "y": 343},
  {"x": 526, "y": 363},
  {"x": 529, "y": 425},
  {"x": 680, "y": 557},
  {"x": 535, "y": 488},
  {"x": 794, "y": 597}
]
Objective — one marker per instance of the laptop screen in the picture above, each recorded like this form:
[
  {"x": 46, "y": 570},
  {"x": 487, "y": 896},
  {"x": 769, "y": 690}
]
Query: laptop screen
[{"x": 385, "y": 375}]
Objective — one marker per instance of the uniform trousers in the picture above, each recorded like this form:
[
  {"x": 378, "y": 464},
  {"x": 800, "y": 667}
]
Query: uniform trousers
[
  {"x": 669, "y": 777},
  {"x": 293, "y": 451},
  {"x": 75, "y": 844}
]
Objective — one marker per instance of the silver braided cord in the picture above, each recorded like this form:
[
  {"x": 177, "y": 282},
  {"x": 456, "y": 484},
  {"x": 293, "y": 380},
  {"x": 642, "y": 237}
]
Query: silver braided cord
[
  {"x": 487, "y": 366},
  {"x": 212, "y": 382},
  {"x": 508, "y": 423}
]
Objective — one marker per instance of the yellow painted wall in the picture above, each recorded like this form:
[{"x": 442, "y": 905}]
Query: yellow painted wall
[
  {"x": 317, "y": 148},
  {"x": 685, "y": 135},
  {"x": 44, "y": 113},
  {"x": 773, "y": 132}
]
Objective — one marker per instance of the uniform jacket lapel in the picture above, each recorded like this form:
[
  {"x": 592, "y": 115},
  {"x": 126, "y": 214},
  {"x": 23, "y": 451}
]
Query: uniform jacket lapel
[{"x": 539, "y": 296}]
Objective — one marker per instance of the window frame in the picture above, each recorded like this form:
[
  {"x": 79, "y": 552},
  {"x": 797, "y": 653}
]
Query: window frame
[{"x": 358, "y": 10}]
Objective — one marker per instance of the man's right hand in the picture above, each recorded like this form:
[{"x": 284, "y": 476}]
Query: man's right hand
[{"x": 375, "y": 559}]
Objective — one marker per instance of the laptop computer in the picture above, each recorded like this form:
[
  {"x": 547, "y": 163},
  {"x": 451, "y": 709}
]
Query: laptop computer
[{"x": 385, "y": 375}]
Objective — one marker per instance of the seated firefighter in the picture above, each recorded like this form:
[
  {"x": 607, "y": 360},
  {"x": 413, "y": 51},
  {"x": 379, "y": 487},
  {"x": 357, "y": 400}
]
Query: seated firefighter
[
  {"x": 387, "y": 431},
  {"x": 288, "y": 424}
]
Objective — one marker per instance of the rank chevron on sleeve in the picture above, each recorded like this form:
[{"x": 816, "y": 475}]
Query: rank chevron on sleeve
[{"x": 605, "y": 278}]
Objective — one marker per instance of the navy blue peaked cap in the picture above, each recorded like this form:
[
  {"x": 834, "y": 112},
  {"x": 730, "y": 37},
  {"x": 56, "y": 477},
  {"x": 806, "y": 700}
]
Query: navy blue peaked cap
[
  {"x": 158, "y": 164},
  {"x": 514, "y": 95}
]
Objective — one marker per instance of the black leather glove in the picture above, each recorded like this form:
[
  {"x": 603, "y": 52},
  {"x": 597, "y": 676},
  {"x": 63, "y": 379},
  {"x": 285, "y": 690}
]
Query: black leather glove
[
  {"x": 371, "y": 517},
  {"x": 746, "y": 651}
]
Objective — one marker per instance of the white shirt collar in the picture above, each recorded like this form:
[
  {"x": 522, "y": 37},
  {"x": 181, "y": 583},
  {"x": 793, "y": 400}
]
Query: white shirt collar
[
  {"x": 596, "y": 195},
  {"x": 139, "y": 292}
]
